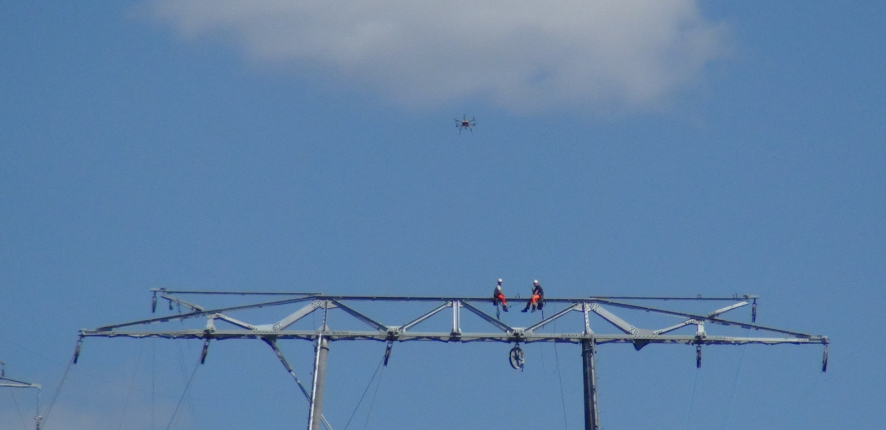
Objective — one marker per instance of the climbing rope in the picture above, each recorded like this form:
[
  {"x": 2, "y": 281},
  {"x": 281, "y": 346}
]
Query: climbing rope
[{"x": 364, "y": 393}]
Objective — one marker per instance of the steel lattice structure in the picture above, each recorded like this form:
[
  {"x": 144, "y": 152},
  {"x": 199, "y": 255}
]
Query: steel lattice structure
[
  {"x": 270, "y": 333},
  {"x": 13, "y": 383}
]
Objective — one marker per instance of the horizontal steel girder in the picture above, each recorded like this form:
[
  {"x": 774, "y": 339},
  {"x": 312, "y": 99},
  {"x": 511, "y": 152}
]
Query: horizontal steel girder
[{"x": 523, "y": 337}]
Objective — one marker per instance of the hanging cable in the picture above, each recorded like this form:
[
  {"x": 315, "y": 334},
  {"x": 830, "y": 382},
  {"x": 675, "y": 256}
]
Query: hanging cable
[
  {"x": 364, "y": 393},
  {"x": 185, "y": 393}
]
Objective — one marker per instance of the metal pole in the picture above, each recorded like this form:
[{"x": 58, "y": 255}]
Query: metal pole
[
  {"x": 592, "y": 421},
  {"x": 317, "y": 389}
]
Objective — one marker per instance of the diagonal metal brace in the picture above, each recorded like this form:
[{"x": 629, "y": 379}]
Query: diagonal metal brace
[
  {"x": 235, "y": 321},
  {"x": 500, "y": 325},
  {"x": 675, "y": 327},
  {"x": 727, "y": 309},
  {"x": 369, "y": 321},
  {"x": 414, "y": 322},
  {"x": 189, "y": 305},
  {"x": 196, "y": 314},
  {"x": 273, "y": 344},
  {"x": 544, "y": 322},
  {"x": 297, "y": 315},
  {"x": 614, "y": 320}
]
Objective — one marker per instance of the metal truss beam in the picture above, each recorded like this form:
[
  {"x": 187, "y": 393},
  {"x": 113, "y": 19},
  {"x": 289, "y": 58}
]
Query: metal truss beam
[
  {"x": 518, "y": 336},
  {"x": 583, "y": 335}
]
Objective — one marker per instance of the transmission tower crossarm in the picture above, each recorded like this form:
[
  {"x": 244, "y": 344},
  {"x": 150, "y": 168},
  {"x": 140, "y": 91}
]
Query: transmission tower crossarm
[
  {"x": 197, "y": 314},
  {"x": 13, "y": 383},
  {"x": 406, "y": 336},
  {"x": 450, "y": 298},
  {"x": 709, "y": 319}
]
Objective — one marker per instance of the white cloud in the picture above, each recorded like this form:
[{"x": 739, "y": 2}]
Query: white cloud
[{"x": 522, "y": 55}]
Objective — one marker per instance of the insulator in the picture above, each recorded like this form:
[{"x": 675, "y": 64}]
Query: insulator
[
  {"x": 205, "y": 351},
  {"x": 754, "y": 311},
  {"x": 698, "y": 356},
  {"x": 388, "y": 352},
  {"x": 824, "y": 360},
  {"x": 77, "y": 350},
  {"x": 154, "y": 303}
]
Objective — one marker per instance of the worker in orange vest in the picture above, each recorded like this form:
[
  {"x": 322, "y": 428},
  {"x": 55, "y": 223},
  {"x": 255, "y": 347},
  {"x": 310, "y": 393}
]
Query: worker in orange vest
[
  {"x": 498, "y": 297},
  {"x": 536, "y": 301}
]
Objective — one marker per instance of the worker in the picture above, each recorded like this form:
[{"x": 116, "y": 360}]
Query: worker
[
  {"x": 536, "y": 301},
  {"x": 498, "y": 297}
]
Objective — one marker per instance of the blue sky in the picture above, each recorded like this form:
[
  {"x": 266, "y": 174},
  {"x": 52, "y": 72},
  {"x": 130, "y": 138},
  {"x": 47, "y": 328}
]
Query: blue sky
[{"x": 620, "y": 149}]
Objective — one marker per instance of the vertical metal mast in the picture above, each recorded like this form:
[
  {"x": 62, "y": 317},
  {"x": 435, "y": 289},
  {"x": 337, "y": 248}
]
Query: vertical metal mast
[
  {"x": 592, "y": 421},
  {"x": 319, "y": 379}
]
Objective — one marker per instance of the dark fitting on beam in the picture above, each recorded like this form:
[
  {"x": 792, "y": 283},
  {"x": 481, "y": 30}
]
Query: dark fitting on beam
[
  {"x": 205, "y": 351},
  {"x": 698, "y": 356}
]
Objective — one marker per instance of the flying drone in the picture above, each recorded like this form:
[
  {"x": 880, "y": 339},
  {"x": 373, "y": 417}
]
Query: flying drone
[{"x": 464, "y": 123}]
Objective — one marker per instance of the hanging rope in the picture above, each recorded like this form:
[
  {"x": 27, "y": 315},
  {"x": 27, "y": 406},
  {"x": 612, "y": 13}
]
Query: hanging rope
[
  {"x": 131, "y": 388},
  {"x": 372, "y": 403},
  {"x": 543, "y": 363},
  {"x": 744, "y": 350},
  {"x": 22, "y": 417},
  {"x": 185, "y": 393},
  {"x": 364, "y": 393},
  {"x": 691, "y": 400},
  {"x": 60, "y": 383}
]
